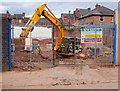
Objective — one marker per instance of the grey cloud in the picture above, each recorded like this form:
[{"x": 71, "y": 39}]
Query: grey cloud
[{"x": 56, "y": 7}]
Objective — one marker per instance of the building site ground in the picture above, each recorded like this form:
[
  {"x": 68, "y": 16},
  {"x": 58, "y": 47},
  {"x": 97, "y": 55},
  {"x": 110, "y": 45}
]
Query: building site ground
[
  {"x": 46, "y": 76},
  {"x": 42, "y": 74}
]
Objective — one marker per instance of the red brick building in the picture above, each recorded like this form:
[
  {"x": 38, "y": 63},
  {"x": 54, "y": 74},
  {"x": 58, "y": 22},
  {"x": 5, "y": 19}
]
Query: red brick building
[
  {"x": 20, "y": 19},
  {"x": 17, "y": 19},
  {"x": 80, "y": 12},
  {"x": 66, "y": 18},
  {"x": 41, "y": 21},
  {"x": 71, "y": 18},
  {"x": 99, "y": 15}
]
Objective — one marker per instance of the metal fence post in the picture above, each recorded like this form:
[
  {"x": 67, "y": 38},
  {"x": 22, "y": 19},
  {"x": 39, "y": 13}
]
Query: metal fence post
[
  {"x": 111, "y": 45},
  {"x": 95, "y": 45},
  {"x": 30, "y": 45},
  {"x": 52, "y": 51},
  {"x": 13, "y": 46},
  {"x": 74, "y": 46}
]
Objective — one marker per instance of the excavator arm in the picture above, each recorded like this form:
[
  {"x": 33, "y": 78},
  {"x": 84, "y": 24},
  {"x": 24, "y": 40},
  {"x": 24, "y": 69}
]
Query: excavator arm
[
  {"x": 50, "y": 17},
  {"x": 32, "y": 21}
]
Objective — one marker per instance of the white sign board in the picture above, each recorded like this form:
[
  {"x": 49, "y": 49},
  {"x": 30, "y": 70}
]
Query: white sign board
[{"x": 91, "y": 35}]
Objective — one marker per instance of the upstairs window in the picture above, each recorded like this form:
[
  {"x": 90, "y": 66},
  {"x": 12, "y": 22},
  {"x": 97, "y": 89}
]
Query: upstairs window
[
  {"x": 84, "y": 19},
  {"x": 12, "y": 20},
  {"x": 69, "y": 20},
  {"x": 80, "y": 20},
  {"x": 101, "y": 18},
  {"x": 20, "y": 21}
]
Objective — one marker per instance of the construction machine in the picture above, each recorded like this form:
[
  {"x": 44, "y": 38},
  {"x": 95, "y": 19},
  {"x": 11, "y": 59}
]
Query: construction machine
[{"x": 63, "y": 45}]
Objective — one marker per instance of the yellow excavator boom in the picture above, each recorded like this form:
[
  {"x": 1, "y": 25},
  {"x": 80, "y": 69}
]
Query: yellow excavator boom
[
  {"x": 50, "y": 17},
  {"x": 32, "y": 21}
]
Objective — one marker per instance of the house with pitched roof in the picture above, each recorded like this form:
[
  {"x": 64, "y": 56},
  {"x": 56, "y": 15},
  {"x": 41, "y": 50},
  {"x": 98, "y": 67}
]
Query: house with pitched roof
[
  {"x": 80, "y": 12},
  {"x": 71, "y": 18},
  {"x": 99, "y": 15},
  {"x": 17, "y": 19},
  {"x": 20, "y": 19}
]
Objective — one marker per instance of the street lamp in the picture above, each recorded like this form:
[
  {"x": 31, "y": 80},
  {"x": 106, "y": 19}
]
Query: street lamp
[{"x": 69, "y": 19}]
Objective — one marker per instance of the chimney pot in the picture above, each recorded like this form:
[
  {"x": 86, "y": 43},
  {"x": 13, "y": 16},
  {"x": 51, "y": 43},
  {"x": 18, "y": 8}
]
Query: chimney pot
[
  {"x": 23, "y": 14},
  {"x": 89, "y": 8},
  {"x": 97, "y": 6},
  {"x": 73, "y": 12},
  {"x": 7, "y": 13}
]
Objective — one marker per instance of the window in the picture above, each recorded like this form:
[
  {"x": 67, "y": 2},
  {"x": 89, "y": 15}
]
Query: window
[
  {"x": 20, "y": 21},
  {"x": 101, "y": 18},
  {"x": 69, "y": 20},
  {"x": 112, "y": 19},
  {"x": 80, "y": 20},
  {"x": 12, "y": 20}
]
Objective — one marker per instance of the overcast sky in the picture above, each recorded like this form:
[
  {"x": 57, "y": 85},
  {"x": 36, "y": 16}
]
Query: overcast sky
[{"x": 56, "y": 7}]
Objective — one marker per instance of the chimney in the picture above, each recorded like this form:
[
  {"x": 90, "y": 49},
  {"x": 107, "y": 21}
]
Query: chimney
[
  {"x": 73, "y": 12},
  {"x": 97, "y": 6},
  {"x": 7, "y": 13},
  {"x": 23, "y": 14},
  {"x": 89, "y": 8}
]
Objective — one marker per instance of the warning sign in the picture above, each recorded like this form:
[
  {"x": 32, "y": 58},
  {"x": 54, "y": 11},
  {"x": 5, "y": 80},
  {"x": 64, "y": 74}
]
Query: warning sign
[{"x": 91, "y": 35}]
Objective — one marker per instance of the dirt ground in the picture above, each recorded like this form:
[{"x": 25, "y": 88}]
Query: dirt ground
[
  {"x": 62, "y": 77},
  {"x": 43, "y": 75}
]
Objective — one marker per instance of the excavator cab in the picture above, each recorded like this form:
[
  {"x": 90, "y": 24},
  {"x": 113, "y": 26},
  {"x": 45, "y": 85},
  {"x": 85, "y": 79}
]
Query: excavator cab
[{"x": 67, "y": 46}]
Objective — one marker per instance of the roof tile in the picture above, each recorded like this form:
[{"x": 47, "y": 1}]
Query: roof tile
[{"x": 99, "y": 11}]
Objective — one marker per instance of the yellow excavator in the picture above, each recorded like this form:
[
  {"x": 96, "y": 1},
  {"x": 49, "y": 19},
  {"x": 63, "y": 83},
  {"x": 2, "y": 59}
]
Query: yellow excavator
[{"x": 64, "y": 45}]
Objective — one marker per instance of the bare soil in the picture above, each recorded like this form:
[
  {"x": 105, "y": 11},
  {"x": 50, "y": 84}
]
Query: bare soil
[
  {"x": 62, "y": 77},
  {"x": 41, "y": 74},
  {"x": 22, "y": 58}
]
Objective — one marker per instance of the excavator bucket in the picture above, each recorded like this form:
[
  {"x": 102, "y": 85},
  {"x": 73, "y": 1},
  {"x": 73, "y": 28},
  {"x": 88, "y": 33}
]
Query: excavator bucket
[{"x": 24, "y": 33}]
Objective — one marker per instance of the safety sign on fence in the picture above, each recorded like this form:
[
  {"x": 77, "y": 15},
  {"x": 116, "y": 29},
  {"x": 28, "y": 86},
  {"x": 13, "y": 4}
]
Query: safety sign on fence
[{"x": 91, "y": 35}]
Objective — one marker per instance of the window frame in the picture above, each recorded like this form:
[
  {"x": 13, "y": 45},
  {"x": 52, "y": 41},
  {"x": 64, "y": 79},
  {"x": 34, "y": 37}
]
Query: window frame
[
  {"x": 69, "y": 19},
  {"x": 84, "y": 19},
  {"x": 103, "y": 19},
  {"x": 12, "y": 20},
  {"x": 20, "y": 21}
]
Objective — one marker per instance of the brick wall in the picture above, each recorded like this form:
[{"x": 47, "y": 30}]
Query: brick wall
[
  {"x": 44, "y": 23},
  {"x": 0, "y": 44},
  {"x": 39, "y": 23},
  {"x": 95, "y": 20},
  {"x": 5, "y": 43},
  {"x": 72, "y": 19},
  {"x": 86, "y": 20},
  {"x": 107, "y": 20},
  {"x": 17, "y": 21}
]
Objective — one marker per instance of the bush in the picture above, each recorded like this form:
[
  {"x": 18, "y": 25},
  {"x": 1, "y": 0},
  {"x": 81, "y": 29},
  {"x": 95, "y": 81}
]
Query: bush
[
  {"x": 64, "y": 28},
  {"x": 54, "y": 27},
  {"x": 70, "y": 30},
  {"x": 79, "y": 29}
]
